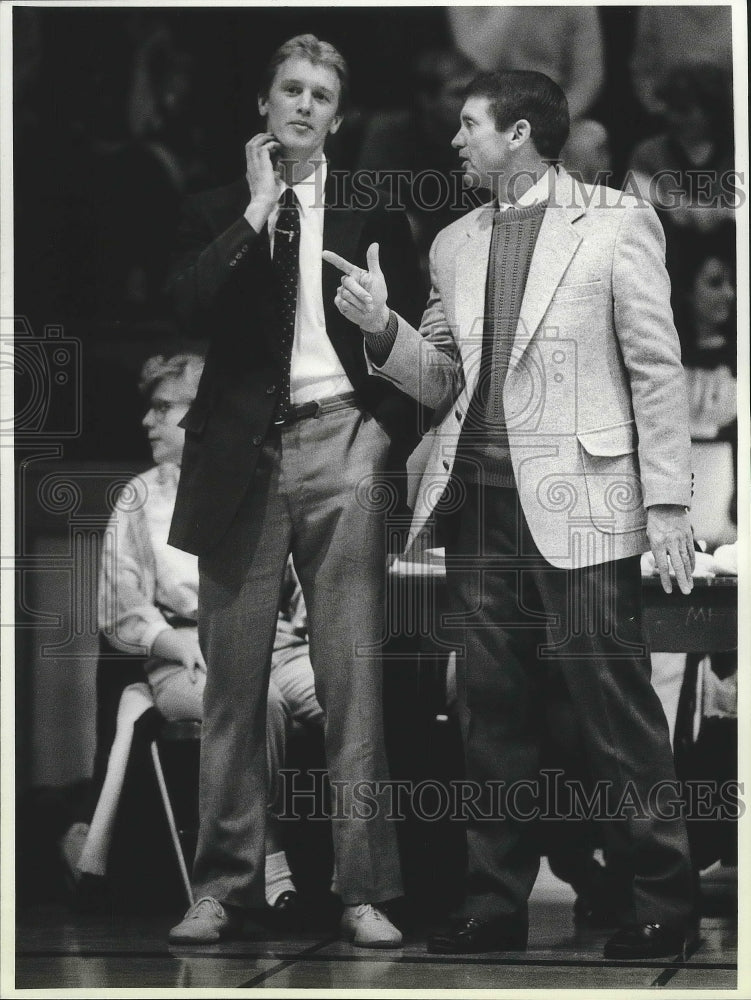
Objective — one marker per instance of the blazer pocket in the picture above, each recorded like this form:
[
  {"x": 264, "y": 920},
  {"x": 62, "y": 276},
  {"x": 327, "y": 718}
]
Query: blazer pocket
[
  {"x": 581, "y": 290},
  {"x": 611, "y": 475}
]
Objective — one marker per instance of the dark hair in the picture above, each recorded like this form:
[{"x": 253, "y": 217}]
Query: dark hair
[
  {"x": 685, "y": 259},
  {"x": 516, "y": 94},
  {"x": 315, "y": 51}
]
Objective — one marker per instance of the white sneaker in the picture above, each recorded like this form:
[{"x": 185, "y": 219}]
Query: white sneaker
[
  {"x": 369, "y": 927},
  {"x": 205, "y": 922}
]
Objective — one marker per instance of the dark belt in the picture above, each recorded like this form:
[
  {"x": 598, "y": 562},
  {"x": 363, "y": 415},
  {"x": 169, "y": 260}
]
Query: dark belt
[{"x": 318, "y": 407}]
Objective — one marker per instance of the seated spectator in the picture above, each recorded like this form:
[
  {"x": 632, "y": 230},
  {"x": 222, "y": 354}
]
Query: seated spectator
[
  {"x": 564, "y": 42},
  {"x": 148, "y": 600},
  {"x": 685, "y": 171},
  {"x": 667, "y": 37},
  {"x": 703, "y": 276},
  {"x": 418, "y": 141},
  {"x": 586, "y": 154}
]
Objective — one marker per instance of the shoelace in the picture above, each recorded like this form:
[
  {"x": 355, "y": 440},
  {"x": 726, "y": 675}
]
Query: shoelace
[
  {"x": 195, "y": 909},
  {"x": 364, "y": 908}
]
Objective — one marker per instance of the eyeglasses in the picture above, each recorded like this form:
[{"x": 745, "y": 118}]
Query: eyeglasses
[{"x": 161, "y": 407}]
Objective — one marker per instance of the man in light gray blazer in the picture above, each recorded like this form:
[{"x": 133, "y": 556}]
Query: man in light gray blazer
[{"x": 559, "y": 453}]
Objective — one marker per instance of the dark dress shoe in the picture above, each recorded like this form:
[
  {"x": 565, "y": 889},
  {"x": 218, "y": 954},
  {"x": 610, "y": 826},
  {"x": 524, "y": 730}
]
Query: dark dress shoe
[
  {"x": 467, "y": 935},
  {"x": 287, "y": 911},
  {"x": 652, "y": 941}
]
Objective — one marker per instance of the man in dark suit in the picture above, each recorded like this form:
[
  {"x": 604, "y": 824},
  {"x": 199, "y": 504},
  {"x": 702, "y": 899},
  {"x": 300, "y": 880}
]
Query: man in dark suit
[{"x": 286, "y": 444}]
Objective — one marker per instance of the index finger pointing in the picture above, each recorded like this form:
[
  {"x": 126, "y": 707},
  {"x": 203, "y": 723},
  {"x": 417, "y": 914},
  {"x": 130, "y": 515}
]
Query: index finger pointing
[{"x": 340, "y": 262}]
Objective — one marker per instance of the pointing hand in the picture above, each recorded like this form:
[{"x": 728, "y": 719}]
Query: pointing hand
[{"x": 362, "y": 294}]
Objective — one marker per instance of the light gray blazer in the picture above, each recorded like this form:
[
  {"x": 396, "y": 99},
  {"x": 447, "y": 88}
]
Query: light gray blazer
[{"x": 595, "y": 396}]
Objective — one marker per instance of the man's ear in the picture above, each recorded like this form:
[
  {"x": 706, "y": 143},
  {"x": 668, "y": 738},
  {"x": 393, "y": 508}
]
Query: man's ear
[
  {"x": 334, "y": 126},
  {"x": 263, "y": 105},
  {"x": 521, "y": 131}
]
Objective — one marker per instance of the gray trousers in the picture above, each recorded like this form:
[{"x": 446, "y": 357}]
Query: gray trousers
[{"x": 313, "y": 496}]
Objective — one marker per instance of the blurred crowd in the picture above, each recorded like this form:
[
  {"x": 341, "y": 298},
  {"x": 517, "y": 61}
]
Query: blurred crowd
[{"x": 121, "y": 112}]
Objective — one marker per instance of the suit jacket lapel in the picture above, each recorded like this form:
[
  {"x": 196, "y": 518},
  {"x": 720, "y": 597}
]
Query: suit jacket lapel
[
  {"x": 556, "y": 244},
  {"x": 471, "y": 277},
  {"x": 342, "y": 227}
]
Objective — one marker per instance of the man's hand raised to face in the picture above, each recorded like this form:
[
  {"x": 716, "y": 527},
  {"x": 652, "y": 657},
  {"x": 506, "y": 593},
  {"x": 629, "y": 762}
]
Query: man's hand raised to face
[
  {"x": 362, "y": 295},
  {"x": 263, "y": 178}
]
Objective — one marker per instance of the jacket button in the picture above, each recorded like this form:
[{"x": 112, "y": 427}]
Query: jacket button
[
  {"x": 445, "y": 465},
  {"x": 458, "y": 415},
  {"x": 257, "y": 439},
  {"x": 232, "y": 263},
  {"x": 270, "y": 390}
]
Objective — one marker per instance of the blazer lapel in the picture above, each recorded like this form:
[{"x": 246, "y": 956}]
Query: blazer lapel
[
  {"x": 471, "y": 277},
  {"x": 342, "y": 227},
  {"x": 557, "y": 242}
]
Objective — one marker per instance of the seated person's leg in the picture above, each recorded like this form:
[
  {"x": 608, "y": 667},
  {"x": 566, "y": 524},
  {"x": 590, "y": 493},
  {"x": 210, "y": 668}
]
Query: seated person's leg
[
  {"x": 175, "y": 695},
  {"x": 135, "y": 700}
]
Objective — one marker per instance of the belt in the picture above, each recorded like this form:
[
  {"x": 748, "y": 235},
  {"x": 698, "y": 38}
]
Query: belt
[{"x": 318, "y": 407}]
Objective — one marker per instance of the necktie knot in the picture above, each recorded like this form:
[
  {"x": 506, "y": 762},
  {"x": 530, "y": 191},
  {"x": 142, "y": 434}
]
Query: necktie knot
[{"x": 288, "y": 199}]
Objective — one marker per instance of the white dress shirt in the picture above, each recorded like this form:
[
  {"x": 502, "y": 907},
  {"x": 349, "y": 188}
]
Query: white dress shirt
[
  {"x": 316, "y": 371},
  {"x": 540, "y": 191}
]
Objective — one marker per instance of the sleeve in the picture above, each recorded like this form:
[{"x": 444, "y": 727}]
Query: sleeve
[
  {"x": 128, "y": 615},
  {"x": 424, "y": 363},
  {"x": 203, "y": 264},
  {"x": 379, "y": 344},
  {"x": 652, "y": 355}
]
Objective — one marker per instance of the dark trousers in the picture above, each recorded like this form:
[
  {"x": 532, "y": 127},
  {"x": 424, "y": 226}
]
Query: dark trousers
[{"x": 536, "y": 643}]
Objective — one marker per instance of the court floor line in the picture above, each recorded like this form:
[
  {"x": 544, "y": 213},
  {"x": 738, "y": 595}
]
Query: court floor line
[
  {"x": 670, "y": 970},
  {"x": 309, "y": 954},
  {"x": 290, "y": 961}
]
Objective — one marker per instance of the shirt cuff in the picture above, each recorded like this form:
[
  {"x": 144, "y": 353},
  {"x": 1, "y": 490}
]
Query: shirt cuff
[{"x": 380, "y": 344}]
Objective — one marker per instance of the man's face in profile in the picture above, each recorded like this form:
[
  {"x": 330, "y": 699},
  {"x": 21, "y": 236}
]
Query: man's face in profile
[{"x": 483, "y": 150}]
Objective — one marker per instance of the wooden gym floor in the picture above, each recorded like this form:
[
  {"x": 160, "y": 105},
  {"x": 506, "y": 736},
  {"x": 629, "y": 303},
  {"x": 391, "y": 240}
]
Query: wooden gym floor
[{"x": 60, "y": 950}]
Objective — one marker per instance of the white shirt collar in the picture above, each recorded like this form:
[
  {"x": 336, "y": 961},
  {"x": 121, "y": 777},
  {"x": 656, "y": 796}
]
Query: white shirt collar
[
  {"x": 309, "y": 192},
  {"x": 540, "y": 191}
]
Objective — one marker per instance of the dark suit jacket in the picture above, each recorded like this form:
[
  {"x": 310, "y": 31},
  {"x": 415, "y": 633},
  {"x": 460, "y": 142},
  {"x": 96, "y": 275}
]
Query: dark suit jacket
[{"x": 222, "y": 286}]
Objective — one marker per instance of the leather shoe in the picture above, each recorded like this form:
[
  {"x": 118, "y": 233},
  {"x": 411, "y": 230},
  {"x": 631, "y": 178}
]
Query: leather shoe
[
  {"x": 652, "y": 940},
  {"x": 467, "y": 935},
  {"x": 287, "y": 911}
]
